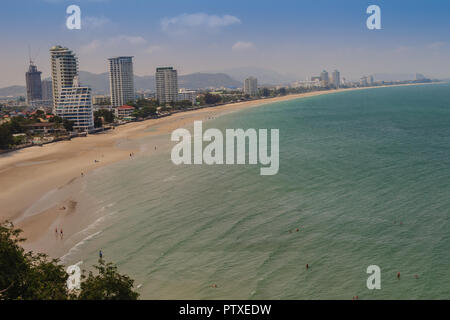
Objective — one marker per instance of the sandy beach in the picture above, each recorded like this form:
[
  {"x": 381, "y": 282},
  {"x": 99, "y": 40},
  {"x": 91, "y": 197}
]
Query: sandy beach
[{"x": 28, "y": 175}]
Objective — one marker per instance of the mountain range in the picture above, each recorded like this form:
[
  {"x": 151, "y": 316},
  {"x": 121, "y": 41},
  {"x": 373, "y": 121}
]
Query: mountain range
[{"x": 100, "y": 83}]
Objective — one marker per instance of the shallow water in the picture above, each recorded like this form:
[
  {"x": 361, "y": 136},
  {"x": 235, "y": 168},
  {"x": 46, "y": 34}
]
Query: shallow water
[{"x": 364, "y": 175}]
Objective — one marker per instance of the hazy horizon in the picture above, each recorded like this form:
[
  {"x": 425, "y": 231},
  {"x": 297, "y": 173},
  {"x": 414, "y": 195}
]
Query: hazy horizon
[{"x": 297, "y": 38}]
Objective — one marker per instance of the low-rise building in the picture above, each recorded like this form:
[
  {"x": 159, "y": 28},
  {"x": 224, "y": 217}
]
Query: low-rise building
[
  {"x": 189, "y": 95},
  {"x": 124, "y": 111}
]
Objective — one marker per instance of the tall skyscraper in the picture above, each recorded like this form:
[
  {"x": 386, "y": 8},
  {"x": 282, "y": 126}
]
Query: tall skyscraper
[
  {"x": 121, "y": 80},
  {"x": 166, "y": 85},
  {"x": 64, "y": 65},
  {"x": 33, "y": 82},
  {"x": 75, "y": 104},
  {"x": 324, "y": 78},
  {"x": 336, "y": 79},
  {"x": 251, "y": 86}
]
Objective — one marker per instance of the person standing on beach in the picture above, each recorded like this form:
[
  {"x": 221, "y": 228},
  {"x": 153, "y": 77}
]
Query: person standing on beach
[
  {"x": 100, "y": 254},
  {"x": 61, "y": 233}
]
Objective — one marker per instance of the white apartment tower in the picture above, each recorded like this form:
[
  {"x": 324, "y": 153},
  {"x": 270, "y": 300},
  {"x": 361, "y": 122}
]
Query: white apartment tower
[
  {"x": 251, "y": 86},
  {"x": 324, "y": 79},
  {"x": 75, "y": 104},
  {"x": 336, "y": 79},
  {"x": 64, "y": 66},
  {"x": 121, "y": 80},
  {"x": 166, "y": 85}
]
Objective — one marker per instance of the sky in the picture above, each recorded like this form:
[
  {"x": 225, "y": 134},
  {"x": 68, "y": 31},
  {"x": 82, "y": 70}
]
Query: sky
[{"x": 296, "y": 37}]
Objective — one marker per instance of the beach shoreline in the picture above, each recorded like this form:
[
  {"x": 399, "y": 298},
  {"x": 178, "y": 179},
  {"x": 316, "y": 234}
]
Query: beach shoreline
[{"x": 30, "y": 175}]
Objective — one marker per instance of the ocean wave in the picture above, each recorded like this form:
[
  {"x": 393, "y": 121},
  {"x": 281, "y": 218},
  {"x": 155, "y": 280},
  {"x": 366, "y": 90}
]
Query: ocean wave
[{"x": 76, "y": 247}]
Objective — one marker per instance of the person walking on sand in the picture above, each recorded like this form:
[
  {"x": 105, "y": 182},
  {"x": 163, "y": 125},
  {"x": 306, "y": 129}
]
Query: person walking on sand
[
  {"x": 61, "y": 233},
  {"x": 100, "y": 254}
]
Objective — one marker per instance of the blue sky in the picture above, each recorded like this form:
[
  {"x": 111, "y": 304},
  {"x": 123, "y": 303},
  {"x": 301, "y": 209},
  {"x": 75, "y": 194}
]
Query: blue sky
[{"x": 300, "y": 37}]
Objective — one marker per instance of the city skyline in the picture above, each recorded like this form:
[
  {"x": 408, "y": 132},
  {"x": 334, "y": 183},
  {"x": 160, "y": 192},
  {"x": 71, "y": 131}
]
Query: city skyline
[{"x": 314, "y": 36}]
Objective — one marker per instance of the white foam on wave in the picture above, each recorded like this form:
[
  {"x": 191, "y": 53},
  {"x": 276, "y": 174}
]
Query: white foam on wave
[
  {"x": 76, "y": 247},
  {"x": 88, "y": 231}
]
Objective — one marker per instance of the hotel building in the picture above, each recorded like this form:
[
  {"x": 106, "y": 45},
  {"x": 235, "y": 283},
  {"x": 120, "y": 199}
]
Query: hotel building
[
  {"x": 75, "y": 104},
  {"x": 251, "y": 86},
  {"x": 121, "y": 80},
  {"x": 336, "y": 79},
  {"x": 64, "y": 66},
  {"x": 166, "y": 85}
]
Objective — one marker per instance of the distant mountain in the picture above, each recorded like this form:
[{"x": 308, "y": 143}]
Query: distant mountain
[
  {"x": 207, "y": 80},
  {"x": 264, "y": 76},
  {"x": 13, "y": 91},
  {"x": 100, "y": 82},
  {"x": 394, "y": 76}
]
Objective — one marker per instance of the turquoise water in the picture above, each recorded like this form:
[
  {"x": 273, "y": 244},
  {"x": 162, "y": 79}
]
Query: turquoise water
[{"x": 364, "y": 175}]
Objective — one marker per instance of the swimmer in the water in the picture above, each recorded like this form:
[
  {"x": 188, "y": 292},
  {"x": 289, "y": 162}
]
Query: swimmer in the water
[
  {"x": 307, "y": 266},
  {"x": 398, "y": 275}
]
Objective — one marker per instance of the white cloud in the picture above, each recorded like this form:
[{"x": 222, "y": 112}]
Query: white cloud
[
  {"x": 94, "y": 22},
  {"x": 153, "y": 49},
  {"x": 114, "y": 42},
  {"x": 242, "y": 46},
  {"x": 91, "y": 46},
  {"x": 133, "y": 40},
  {"x": 181, "y": 23},
  {"x": 436, "y": 45}
]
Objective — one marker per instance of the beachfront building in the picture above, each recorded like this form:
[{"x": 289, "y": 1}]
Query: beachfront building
[
  {"x": 307, "y": 84},
  {"x": 336, "y": 79},
  {"x": 121, "y": 80},
  {"x": 75, "y": 104},
  {"x": 166, "y": 85},
  {"x": 251, "y": 86},
  {"x": 124, "y": 111},
  {"x": 187, "y": 95},
  {"x": 64, "y": 65},
  {"x": 324, "y": 79},
  {"x": 363, "y": 82},
  {"x": 33, "y": 83}
]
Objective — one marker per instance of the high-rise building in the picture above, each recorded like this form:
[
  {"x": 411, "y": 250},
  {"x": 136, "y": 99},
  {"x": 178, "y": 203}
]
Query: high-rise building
[
  {"x": 363, "y": 81},
  {"x": 251, "y": 86},
  {"x": 166, "y": 85},
  {"x": 121, "y": 80},
  {"x": 33, "y": 82},
  {"x": 64, "y": 66},
  {"x": 47, "y": 91},
  {"x": 420, "y": 77},
  {"x": 371, "y": 82},
  {"x": 324, "y": 79},
  {"x": 336, "y": 79},
  {"x": 75, "y": 104}
]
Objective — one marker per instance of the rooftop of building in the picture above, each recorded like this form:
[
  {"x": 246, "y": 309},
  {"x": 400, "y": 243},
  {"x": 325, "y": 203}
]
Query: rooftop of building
[{"x": 125, "y": 107}]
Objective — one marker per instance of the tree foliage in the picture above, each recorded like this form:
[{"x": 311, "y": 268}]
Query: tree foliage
[
  {"x": 31, "y": 276},
  {"x": 212, "y": 98},
  {"x": 103, "y": 116},
  {"x": 6, "y": 137},
  {"x": 108, "y": 284},
  {"x": 25, "y": 275}
]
